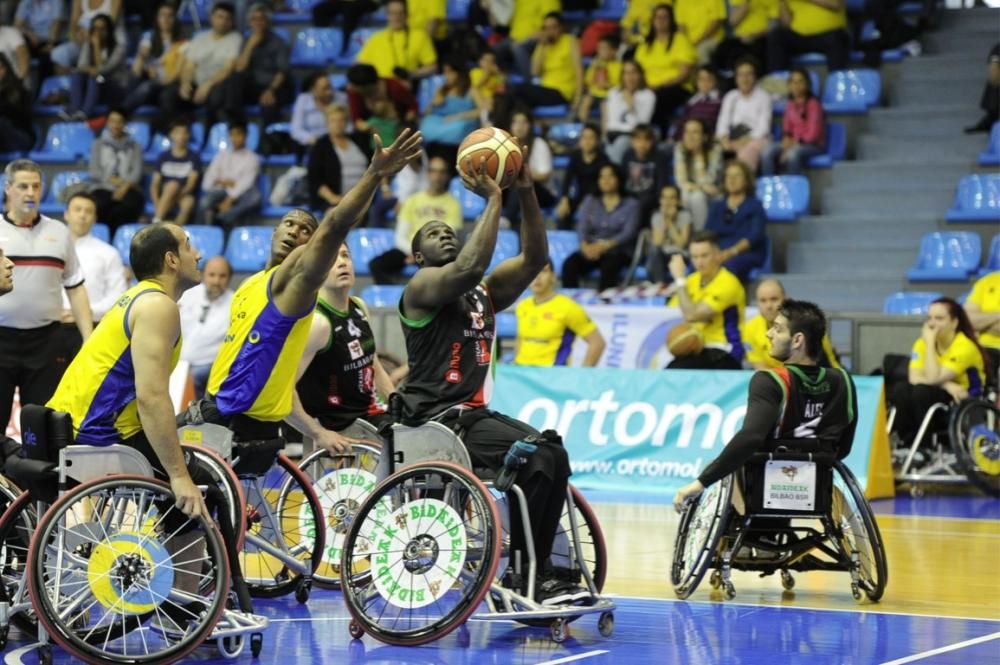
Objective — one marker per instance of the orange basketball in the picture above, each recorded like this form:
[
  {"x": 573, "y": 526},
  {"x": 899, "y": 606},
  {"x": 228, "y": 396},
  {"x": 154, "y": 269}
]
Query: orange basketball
[
  {"x": 685, "y": 340},
  {"x": 501, "y": 151}
]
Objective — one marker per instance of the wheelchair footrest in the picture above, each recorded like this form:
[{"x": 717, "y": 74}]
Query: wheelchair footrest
[{"x": 233, "y": 623}]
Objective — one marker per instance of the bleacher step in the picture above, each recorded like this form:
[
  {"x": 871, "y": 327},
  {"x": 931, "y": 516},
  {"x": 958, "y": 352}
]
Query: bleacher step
[
  {"x": 901, "y": 201},
  {"x": 953, "y": 148},
  {"x": 841, "y": 293},
  {"x": 898, "y": 172},
  {"x": 892, "y": 230},
  {"x": 869, "y": 259}
]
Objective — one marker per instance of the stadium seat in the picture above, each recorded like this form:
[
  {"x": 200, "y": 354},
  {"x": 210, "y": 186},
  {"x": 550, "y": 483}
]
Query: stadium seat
[
  {"x": 852, "y": 91},
  {"x": 338, "y": 81},
  {"x": 992, "y": 263},
  {"x": 65, "y": 142},
  {"x": 160, "y": 143},
  {"x": 457, "y": 10},
  {"x": 382, "y": 295},
  {"x": 425, "y": 91},
  {"x": 561, "y": 245},
  {"x": 946, "y": 256},
  {"x": 366, "y": 244},
  {"x": 977, "y": 199},
  {"x": 358, "y": 39},
  {"x": 315, "y": 47},
  {"x": 297, "y": 11},
  {"x": 557, "y": 111},
  {"x": 201, "y": 7},
  {"x": 508, "y": 245},
  {"x": 139, "y": 130},
  {"x": 218, "y": 139},
  {"x": 123, "y": 240},
  {"x": 209, "y": 240},
  {"x": 836, "y": 147},
  {"x": 52, "y": 205},
  {"x": 611, "y": 10},
  {"x": 909, "y": 302},
  {"x": 249, "y": 248},
  {"x": 506, "y": 325},
  {"x": 50, "y": 85},
  {"x": 266, "y": 209},
  {"x": 785, "y": 197},
  {"x": 991, "y": 156},
  {"x": 101, "y": 232},
  {"x": 566, "y": 134},
  {"x": 472, "y": 204},
  {"x": 285, "y": 159}
]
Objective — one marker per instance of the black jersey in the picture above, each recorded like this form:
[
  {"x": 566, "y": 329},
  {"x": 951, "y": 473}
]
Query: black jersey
[
  {"x": 339, "y": 385},
  {"x": 451, "y": 357}
]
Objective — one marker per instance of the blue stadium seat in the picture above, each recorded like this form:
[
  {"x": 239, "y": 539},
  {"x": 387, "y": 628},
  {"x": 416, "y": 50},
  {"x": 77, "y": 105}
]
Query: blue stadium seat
[
  {"x": 991, "y": 156},
  {"x": 807, "y": 59},
  {"x": 209, "y": 240},
  {"x": 338, "y": 81},
  {"x": 506, "y": 325},
  {"x": 358, "y": 39},
  {"x": 218, "y": 139},
  {"x": 508, "y": 245},
  {"x": 288, "y": 159},
  {"x": 123, "y": 240},
  {"x": 778, "y": 106},
  {"x": 161, "y": 143},
  {"x": 561, "y": 245},
  {"x": 50, "y": 85},
  {"x": 836, "y": 147},
  {"x": 610, "y": 9},
  {"x": 382, "y": 295},
  {"x": 60, "y": 181},
  {"x": 425, "y": 91},
  {"x": 202, "y": 7},
  {"x": 457, "y": 10},
  {"x": 785, "y": 197},
  {"x": 140, "y": 132},
  {"x": 315, "y": 47},
  {"x": 249, "y": 248},
  {"x": 852, "y": 91},
  {"x": 566, "y": 134},
  {"x": 101, "y": 232},
  {"x": 65, "y": 142},
  {"x": 266, "y": 209},
  {"x": 946, "y": 256},
  {"x": 472, "y": 204},
  {"x": 557, "y": 111},
  {"x": 298, "y": 11},
  {"x": 909, "y": 302},
  {"x": 366, "y": 244},
  {"x": 977, "y": 199},
  {"x": 992, "y": 263}
]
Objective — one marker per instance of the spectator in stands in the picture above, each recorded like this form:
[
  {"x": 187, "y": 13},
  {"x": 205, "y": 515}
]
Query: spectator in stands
[
  {"x": 712, "y": 300},
  {"x": 174, "y": 186},
  {"x": 101, "y": 74},
  {"x": 704, "y": 104},
  {"x": 410, "y": 180},
  {"x": 770, "y": 296},
  {"x": 204, "y": 311},
  {"x": 580, "y": 177},
  {"x": 603, "y": 74},
  {"x": 309, "y": 111},
  {"x": 703, "y": 23},
  {"x": 435, "y": 204},
  {"x": 526, "y": 19},
  {"x": 983, "y": 308},
  {"x": 41, "y": 22},
  {"x": 158, "y": 62},
  {"x": 378, "y": 104},
  {"x": 809, "y": 26},
  {"x": 208, "y": 61},
  {"x": 629, "y": 105},
  {"x": 744, "y": 125},
  {"x": 990, "y": 100},
  {"x": 487, "y": 82},
  {"x": 325, "y": 13},
  {"x": 336, "y": 161},
  {"x": 556, "y": 61},
  {"x": 400, "y": 51},
  {"x": 750, "y": 22},
  {"x": 16, "y": 131},
  {"x": 452, "y": 113},
  {"x": 66, "y": 54},
  {"x": 522, "y": 128},
  {"x": 430, "y": 17},
  {"x": 549, "y": 322},
  {"x": 15, "y": 49},
  {"x": 260, "y": 74},
  {"x": 115, "y": 173},
  {"x": 229, "y": 190},
  {"x": 637, "y": 21},
  {"x": 607, "y": 226},
  {"x": 739, "y": 221},
  {"x": 946, "y": 364},
  {"x": 646, "y": 170},
  {"x": 697, "y": 170},
  {"x": 103, "y": 270},
  {"x": 803, "y": 129},
  {"x": 669, "y": 233},
  {"x": 668, "y": 58}
]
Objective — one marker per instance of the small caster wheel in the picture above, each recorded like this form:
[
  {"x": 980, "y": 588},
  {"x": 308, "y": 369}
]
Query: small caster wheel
[
  {"x": 559, "y": 630},
  {"x": 787, "y": 581},
  {"x": 916, "y": 491},
  {"x": 716, "y": 579},
  {"x": 606, "y": 624},
  {"x": 45, "y": 655},
  {"x": 256, "y": 644},
  {"x": 302, "y": 591},
  {"x": 856, "y": 591},
  {"x": 357, "y": 632},
  {"x": 230, "y": 648},
  {"x": 729, "y": 590}
]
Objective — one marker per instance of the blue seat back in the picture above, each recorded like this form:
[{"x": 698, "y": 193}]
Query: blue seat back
[
  {"x": 784, "y": 196},
  {"x": 909, "y": 302},
  {"x": 208, "y": 240},
  {"x": 979, "y": 193},
  {"x": 856, "y": 87},
  {"x": 123, "y": 240},
  {"x": 472, "y": 204},
  {"x": 366, "y": 244},
  {"x": 566, "y": 134},
  {"x": 457, "y": 10},
  {"x": 993, "y": 147},
  {"x": 300, "y": 6},
  {"x": 426, "y": 89},
  {"x": 813, "y": 78},
  {"x": 101, "y": 232},
  {"x": 358, "y": 39},
  {"x": 950, "y": 250},
  {"x": 53, "y": 84},
  {"x": 69, "y": 139},
  {"x": 561, "y": 245},
  {"x": 64, "y": 179},
  {"x": 836, "y": 140},
  {"x": 338, "y": 81},
  {"x": 218, "y": 139},
  {"x": 316, "y": 47},
  {"x": 993, "y": 260},
  {"x": 249, "y": 248},
  {"x": 139, "y": 130},
  {"x": 508, "y": 245},
  {"x": 382, "y": 295}
]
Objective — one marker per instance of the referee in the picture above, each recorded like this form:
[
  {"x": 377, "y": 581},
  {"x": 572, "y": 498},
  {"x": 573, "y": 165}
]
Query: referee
[{"x": 45, "y": 263}]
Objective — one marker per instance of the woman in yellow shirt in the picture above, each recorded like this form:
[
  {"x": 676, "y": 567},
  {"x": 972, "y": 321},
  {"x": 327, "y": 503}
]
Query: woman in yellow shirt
[
  {"x": 556, "y": 61},
  {"x": 668, "y": 59}
]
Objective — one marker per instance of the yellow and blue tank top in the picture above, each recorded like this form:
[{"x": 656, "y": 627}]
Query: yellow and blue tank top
[
  {"x": 254, "y": 372},
  {"x": 98, "y": 388}
]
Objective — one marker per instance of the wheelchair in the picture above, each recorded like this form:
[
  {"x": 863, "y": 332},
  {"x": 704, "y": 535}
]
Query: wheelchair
[
  {"x": 94, "y": 552},
  {"x": 430, "y": 544},
  {"x": 786, "y": 510}
]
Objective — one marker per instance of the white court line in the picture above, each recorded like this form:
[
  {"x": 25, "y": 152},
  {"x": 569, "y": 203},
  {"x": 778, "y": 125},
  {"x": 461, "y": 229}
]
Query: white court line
[
  {"x": 14, "y": 657},
  {"x": 945, "y": 649},
  {"x": 570, "y": 659}
]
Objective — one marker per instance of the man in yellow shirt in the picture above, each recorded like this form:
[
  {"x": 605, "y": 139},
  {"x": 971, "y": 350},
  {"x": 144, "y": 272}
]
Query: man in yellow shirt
[
  {"x": 429, "y": 16},
  {"x": 750, "y": 22},
  {"x": 549, "y": 322},
  {"x": 559, "y": 66},
  {"x": 983, "y": 308},
  {"x": 770, "y": 296},
  {"x": 701, "y": 21},
  {"x": 713, "y": 301},
  {"x": 637, "y": 20},
  {"x": 809, "y": 26},
  {"x": 399, "y": 51},
  {"x": 525, "y": 33}
]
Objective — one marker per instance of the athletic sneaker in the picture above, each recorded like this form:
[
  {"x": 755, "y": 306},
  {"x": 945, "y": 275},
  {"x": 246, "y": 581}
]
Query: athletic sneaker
[{"x": 552, "y": 591}]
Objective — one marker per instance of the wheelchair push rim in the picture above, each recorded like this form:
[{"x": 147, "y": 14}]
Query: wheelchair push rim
[
  {"x": 101, "y": 580},
  {"x": 228, "y": 482},
  {"x": 430, "y": 536},
  {"x": 17, "y": 524},
  {"x": 702, "y": 526},
  {"x": 854, "y": 521},
  {"x": 974, "y": 431}
]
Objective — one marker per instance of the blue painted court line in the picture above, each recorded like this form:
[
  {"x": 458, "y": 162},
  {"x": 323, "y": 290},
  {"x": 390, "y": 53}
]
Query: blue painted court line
[{"x": 940, "y": 505}]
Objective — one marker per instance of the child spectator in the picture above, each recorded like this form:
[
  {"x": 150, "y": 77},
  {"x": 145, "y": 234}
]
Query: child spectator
[
  {"x": 744, "y": 125},
  {"x": 697, "y": 169},
  {"x": 669, "y": 233},
  {"x": 115, "y": 172},
  {"x": 629, "y": 105},
  {"x": 487, "y": 82},
  {"x": 645, "y": 169},
  {"x": 603, "y": 74},
  {"x": 704, "y": 104},
  {"x": 229, "y": 191},
  {"x": 174, "y": 187},
  {"x": 803, "y": 129}
]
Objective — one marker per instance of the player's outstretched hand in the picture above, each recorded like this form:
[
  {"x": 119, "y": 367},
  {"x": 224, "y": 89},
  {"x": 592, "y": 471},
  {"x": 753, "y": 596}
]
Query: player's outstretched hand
[
  {"x": 524, "y": 179},
  {"x": 480, "y": 181},
  {"x": 387, "y": 162}
]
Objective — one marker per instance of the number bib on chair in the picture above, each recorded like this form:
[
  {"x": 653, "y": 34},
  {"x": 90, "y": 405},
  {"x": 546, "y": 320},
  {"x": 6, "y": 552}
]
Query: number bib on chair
[{"x": 789, "y": 485}]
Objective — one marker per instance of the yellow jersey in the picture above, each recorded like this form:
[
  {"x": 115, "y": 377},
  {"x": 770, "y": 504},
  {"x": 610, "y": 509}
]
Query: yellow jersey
[
  {"x": 254, "y": 372},
  {"x": 725, "y": 295},
  {"x": 601, "y": 77},
  {"x": 808, "y": 18},
  {"x": 546, "y": 331},
  {"x": 662, "y": 64},
  {"x": 388, "y": 49},
  {"x": 98, "y": 388},
  {"x": 962, "y": 357},
  {"x": 558, "y": 68},
  {"x": 638, "y": 19},
  {"x": 487, "y": 85},
  {"x": 694, "y": 16},
  {"x": 758, "y": 18},
  {"x": 527, "y": 17},
  {"x": 986, "y": 294},
  {"x": 758, "y": 346},
  {"x": 419, "y": 12}
]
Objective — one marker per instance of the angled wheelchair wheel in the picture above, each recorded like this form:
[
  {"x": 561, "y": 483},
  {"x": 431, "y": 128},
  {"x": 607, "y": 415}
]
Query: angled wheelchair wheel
[
  {"x": 859, "y": 534},
  {"x": 285, "y": 532},
  {"x": 115, "y": 570},
  {"x": 17, "y": 523},
  {"x": 702, "y": 526},
  {"x": 341, "y": 484},
  {"x": 974, "y": 432},
  {"x": 429, "y": 536},
  {"x": 211, "y": 466}
]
